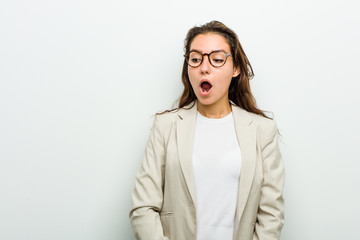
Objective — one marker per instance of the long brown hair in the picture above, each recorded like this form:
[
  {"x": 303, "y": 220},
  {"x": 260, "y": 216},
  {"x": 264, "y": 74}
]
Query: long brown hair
[{"x": 239, "y": 89}]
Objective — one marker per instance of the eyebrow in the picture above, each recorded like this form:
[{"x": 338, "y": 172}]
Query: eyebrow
[{"x": 209, "y": 52}]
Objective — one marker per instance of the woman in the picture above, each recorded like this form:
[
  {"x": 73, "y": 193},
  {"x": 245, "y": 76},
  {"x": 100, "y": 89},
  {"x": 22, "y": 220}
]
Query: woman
[{"x": 212, "y": 169}]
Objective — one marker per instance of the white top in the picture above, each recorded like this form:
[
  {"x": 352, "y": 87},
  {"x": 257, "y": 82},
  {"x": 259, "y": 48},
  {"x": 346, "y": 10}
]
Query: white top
[{"x": 217, "y": 164}]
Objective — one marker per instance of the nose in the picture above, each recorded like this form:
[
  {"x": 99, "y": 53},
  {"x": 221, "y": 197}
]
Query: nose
[{"x": 205, "y": 65}]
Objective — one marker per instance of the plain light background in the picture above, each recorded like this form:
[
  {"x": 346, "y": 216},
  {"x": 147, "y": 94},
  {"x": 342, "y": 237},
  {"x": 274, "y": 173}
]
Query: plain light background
[{"x": 80, "y": 80}]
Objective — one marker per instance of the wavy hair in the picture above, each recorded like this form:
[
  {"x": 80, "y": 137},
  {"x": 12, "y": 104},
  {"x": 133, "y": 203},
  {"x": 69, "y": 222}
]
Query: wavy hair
[{"x": 239, "y": 89}]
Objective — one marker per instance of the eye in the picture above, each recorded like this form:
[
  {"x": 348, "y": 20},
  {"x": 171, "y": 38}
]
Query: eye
[
  {"x": 195, "y": 60},
  {"x": 218, "y": 60}
]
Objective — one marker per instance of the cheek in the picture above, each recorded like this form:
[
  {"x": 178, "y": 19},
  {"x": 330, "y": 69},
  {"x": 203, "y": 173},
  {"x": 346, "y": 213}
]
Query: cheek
[
  {"x": 224, "y": 80},
  {"x": 229, "y": 72},
  {"x": 225, "y": 85},
  {"x": 225, "y": 76},
  {"x": 191, "y": 77},
  {"x": 191, "y": 73},
  {"x": 228, "y": 75}
]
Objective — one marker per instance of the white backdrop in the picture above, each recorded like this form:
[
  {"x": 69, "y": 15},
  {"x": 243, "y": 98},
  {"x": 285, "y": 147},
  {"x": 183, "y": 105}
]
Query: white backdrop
[{"x": 79, "y": 81}]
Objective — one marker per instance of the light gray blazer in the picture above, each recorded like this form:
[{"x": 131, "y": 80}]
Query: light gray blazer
[{"x": 164, "y": 194}]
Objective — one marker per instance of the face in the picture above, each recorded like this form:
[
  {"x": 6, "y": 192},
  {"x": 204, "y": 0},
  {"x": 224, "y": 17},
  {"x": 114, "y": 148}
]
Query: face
[{"x": 219, "y": 78}]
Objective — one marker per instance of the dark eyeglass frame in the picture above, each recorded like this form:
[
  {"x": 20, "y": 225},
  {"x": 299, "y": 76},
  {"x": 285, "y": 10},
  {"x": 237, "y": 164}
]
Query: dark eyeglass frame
[{"x": 204, "y": 54}]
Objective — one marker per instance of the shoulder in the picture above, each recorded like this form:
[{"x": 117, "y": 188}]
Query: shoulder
[
  {"x": 166, "y": 118},
  {"x": 170, "y": 117},
  {"x": 266, "y": 129},
  {"x": 165, "y": 122},
  {"x": 264, "y": 125}
]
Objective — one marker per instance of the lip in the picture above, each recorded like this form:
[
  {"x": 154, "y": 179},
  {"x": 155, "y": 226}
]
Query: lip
[
  {"x": 204, "y": 93},
  {"x": 205, "y": 80}
]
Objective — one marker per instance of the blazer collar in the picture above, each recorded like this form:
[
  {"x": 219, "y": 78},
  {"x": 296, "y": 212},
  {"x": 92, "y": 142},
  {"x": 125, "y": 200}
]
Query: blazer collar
[
  {"x": 246, "y": 135},
  {"x": 243, "y": 117}
]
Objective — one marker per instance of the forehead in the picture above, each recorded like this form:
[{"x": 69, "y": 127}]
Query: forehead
[{"x": 209, "y": 42}]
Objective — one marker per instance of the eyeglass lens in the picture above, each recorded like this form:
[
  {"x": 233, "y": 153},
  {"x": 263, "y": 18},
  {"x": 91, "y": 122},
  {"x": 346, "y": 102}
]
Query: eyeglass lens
[{"x": 217, "y": 59}]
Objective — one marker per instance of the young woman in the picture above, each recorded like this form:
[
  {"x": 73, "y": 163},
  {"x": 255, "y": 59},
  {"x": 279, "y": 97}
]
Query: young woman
[{"x": 212, "y": 169}]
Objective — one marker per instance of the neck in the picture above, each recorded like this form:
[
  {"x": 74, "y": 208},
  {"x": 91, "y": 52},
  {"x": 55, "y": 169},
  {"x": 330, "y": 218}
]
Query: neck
[{"x": 218, "y": 109}]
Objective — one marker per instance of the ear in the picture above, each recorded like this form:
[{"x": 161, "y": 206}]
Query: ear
[{"x": 236, "y": 72}]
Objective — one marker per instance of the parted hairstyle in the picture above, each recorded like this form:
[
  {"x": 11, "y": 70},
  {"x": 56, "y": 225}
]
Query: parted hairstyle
[{"x": 239, "y": 89}]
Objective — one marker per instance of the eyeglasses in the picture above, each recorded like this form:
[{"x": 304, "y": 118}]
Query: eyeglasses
[{"x": 216, "y": 58}]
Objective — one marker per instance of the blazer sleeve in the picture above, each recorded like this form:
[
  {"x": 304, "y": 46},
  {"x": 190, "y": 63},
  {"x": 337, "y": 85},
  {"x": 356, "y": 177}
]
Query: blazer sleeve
[
  {"x": 147, "y": 196},
  {"x": 270, "y": 216}
]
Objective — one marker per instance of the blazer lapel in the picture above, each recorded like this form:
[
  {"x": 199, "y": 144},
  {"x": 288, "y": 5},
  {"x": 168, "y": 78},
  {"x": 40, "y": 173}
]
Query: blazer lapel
[
  {"x": 246, "y": 134},
  {"x": 185, "y": 131}
]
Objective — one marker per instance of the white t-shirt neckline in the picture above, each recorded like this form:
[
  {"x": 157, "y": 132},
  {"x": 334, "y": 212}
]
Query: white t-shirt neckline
[{"x": 200, "y": 117}]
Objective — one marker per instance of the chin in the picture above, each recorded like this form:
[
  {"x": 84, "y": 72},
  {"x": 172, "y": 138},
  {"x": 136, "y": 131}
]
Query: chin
[{"x": 205, "y": 101}]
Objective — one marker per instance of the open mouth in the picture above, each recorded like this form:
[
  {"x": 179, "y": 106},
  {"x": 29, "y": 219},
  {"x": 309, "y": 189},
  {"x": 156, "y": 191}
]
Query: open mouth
[{"x": 205, "y": 86}]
